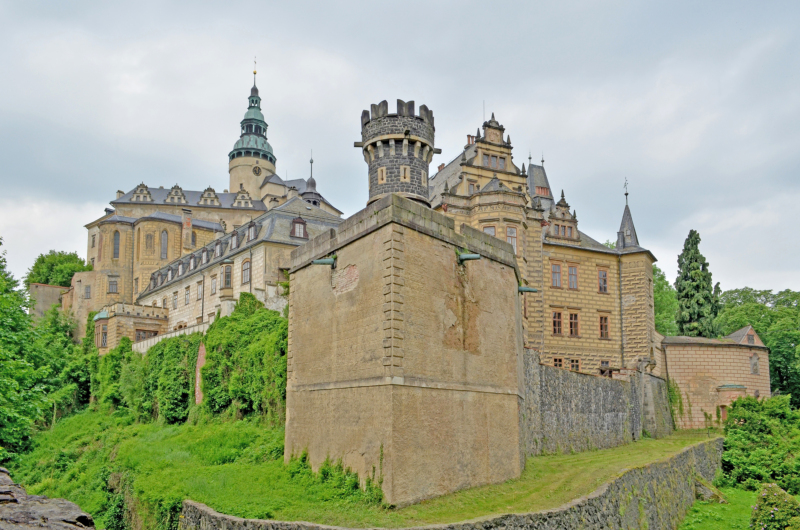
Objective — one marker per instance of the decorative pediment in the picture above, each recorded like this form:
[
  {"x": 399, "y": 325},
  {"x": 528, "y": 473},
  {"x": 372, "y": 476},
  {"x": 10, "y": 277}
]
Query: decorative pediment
[
  {"x": 176, "y": 196},
  {"x": 242, "y": 198},
  {"x": 141, "y": 194},
  {"x": 209, "y": 198}
]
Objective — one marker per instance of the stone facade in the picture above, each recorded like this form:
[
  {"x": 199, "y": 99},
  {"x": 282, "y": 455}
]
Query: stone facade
[
  {"x": 127, "y": 320},
  {"x": 711, "y": 373},
  {"x": 410, "y": 371},
  {"x": 652, "y": 497},
  {"x": 43, "y": 297}
]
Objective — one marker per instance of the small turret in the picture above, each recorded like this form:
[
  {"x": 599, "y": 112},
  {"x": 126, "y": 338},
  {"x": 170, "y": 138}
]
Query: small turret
[{"x": 398, "y": 149}]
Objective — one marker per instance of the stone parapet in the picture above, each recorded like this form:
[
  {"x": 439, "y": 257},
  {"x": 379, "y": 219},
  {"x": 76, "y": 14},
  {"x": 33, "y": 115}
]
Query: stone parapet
[{"x": 655, "y": 496}]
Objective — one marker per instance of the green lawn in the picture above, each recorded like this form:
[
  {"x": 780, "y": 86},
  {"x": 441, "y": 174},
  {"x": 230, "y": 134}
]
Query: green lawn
[
  {"x": 237, "y": 468},
  {"x": 713, "y": 516}
]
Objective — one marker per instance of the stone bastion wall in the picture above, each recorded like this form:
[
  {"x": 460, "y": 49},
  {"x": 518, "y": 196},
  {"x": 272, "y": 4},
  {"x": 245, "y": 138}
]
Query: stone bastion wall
[{"x": 655, "y": 496}]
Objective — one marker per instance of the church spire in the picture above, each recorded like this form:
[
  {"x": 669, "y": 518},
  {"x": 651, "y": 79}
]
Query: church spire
[{"x": 626, "y": 237}]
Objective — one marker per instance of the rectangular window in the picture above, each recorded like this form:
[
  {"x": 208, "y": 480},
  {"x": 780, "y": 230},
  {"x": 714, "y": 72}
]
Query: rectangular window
[
  {"x": 87, "y": 292},
  {"x": 573, "y": 325},
  {"x": 604, "y": 364},
  {"x": 104, "y": 337},
  {"x": 511, "y": 237},
  {"x": 175, "y": 300},
  {"x": 112, "y": 286},
  {"x": 485, "y": 160},
  {"x": 199, "y": 290},
  {"x": 405, "y": 174},
  {"x": 471, "y": 188},
  {"x": 143, "y": 334},
  {"x": 563, "y": 231},
  {"x": 135, "y": 285},
  {"x": 227, "y": 277},
  {"x": 164, "y": 303},
  {"x": 93, "y": 241},
  {"x": 502, "y": 162},
  {"x": 213, "y": 285},
  {"x": 92, "y": 262},
  {"x": 556, "y": 322},
  {"x": 556, "y": 228},
  {"x": 575, "y": 365},
  {"x": 604, "y": 327},
  {"x": 602, "y": 281},
  {"x": 489, "y": 230},
  {"x": 573, "y": 277},
  {"x": 558, "y": 362},
  {"x": 569, "y": 231},
  {"x": 186, "y": 296},
  {"x": 494, "y": 161},
  {"x": 555, "y": 274},
  {"x": 751, "y": 339}
]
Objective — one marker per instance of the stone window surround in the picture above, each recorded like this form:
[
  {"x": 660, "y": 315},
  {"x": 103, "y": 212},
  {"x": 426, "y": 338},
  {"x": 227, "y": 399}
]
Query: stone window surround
[
  {"x": 555, "y": 275},
  {"x": 570, "y": 268},
  {"x": 574, "y": 331},
  {"x": 246, "y": 271},
  {"x": 186, "y": 296},
  {"x": 600, "y": 283},
  {"x": 558, "y": 328},
  {"x": 605, "y": 328}
]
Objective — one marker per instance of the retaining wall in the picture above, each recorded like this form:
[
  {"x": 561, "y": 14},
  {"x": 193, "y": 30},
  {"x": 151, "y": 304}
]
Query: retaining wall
[
  {"x": 563, "y": 411},
  {"x": 655, "y": 496}
]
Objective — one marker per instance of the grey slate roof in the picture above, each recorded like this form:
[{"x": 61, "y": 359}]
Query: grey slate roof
[
  {"x": 739, "y": 334},
  {"x": 272, "y": 226},
  {"x": 192, "y": 199},
  {"x": 537, "y": 176},
  {"x": 300, "y": 184},
  {"x": 118, "y": 219},
  {"x": 726, "y": 341},
  {"x": 625, "y": 228},
  {"x": 162, "y": 216},
  {"x": 450, "y": 174}
]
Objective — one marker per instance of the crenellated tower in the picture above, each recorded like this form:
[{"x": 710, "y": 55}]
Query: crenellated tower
[{"x": 398, "y": 149}]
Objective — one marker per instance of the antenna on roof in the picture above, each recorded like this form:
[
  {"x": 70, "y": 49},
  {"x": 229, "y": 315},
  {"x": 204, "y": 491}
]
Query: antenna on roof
[{"x": 626, "y": 191}]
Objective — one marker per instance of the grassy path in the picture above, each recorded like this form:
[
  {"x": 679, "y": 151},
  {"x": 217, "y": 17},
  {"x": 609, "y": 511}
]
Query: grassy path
[{"x": 237, "y": 468}]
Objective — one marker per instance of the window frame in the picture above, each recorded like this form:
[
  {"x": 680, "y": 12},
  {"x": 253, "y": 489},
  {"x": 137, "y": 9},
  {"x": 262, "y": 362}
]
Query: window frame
[
  {"x": 570, "y": 276},
  {"x": 213, "y": 285},
  {"x": 558, "y": 362},
  {"x": 164, "y": 244},
  {"x": 512, "y": 239},
  {"x": 574, "y": 365},
  {"x": 136, "y": 286},
  {"x": 492, "y": 228},
  {"x": 604, "y": 327},
  {"x": 555, "y": 275},
  {"x": 87, "y": 292},
  {"x": 113, "y": 287},
  {"x": 187, "y": 294},
  {"x": 245, "y": 272},
  {"x": 557, "y": 327},
  {"x": 175, "y": 300},
  {"x": 227, "y": 271},
  {"x": 574, "y": 325},
  {"x": 200, "y": 290},
  {"x": 115, "y": 254}
]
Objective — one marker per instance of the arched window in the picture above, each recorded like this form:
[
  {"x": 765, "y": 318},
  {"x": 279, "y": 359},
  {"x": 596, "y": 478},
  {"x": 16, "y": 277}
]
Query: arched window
[
  {"x": 138, "y": 243},
  {"x": 227, "y": 278},
  {"x": 164, "y": 244},
  {"x": 116, "y": 244},
  {"x": 148, "y": 241},
  {"x": 246, "y": 272},
  {"x": 194, "y": 238}
]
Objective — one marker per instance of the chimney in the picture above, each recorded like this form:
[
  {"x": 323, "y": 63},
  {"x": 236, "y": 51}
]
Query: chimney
[
  {"x": 292, "y": 193},
  {"x": 120, "y": 193},
  {"x": 109, "y": 211},
  {"x": 273, "y": 202},
  {"x": 186, "y": 221},
  {"x": 441, "y": 167}
]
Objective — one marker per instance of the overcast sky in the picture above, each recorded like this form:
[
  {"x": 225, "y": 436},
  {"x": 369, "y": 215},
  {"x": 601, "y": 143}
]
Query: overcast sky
[{"x": 697, "y": 104}]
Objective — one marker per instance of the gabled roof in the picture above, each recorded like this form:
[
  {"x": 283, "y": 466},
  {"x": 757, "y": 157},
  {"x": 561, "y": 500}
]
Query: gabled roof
[
  {"x": 226, "y": 200},
  {"x": 740, "y": 336},
  {"x": 537, "y": 177},
  {"x": 300, "y": 184}
]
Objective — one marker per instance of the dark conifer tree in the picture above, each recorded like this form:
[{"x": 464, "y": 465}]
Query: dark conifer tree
[{"x": 698, "y": 301}]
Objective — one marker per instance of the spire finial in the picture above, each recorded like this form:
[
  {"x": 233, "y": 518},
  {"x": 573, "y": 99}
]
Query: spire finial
[
  {"x": 312, "y": 162},
  {"x": 254, "y": 70},
  {"x": 530, "y": 158},
  {"x": 626, "y": 191},
  {"x": 542, "y": 157}
]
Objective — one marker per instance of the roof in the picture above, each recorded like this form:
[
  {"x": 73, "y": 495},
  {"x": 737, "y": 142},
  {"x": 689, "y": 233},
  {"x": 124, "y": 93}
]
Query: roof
[
  {"x": 451, "y": 175},
  {"x": 162, "y": 216},
  {"x": 159, "y": 196},
  {"x": 300, "y": 184},
  {"x": 101, "y": 315},
  {"x": 252, "y": 141},
  {"x": 626, "y": 228},
  {"x": 537, "y": 177},
  {"x": 273, "y": 226},
  {"x": 702, "y": 341}
]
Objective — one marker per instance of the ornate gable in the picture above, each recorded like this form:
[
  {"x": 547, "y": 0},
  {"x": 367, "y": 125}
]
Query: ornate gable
[
  {"x": 176, "y": 196},
  {"x": 563, "y": 224},
  {"x": 209, "y": 198},
  {"x": 141, "y": 194},
  {"x": 242, "y": 198}
]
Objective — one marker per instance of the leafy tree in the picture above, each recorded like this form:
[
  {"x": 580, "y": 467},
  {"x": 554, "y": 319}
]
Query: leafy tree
[
  {"x": 55, "y": 268},
  {"x": 698, "y": 303},
  {"x": 665, "y": 303}
]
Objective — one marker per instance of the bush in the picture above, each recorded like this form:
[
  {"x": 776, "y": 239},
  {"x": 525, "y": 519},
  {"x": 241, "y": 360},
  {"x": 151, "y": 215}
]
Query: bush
[
  {"x": 775, "y": 509},
  {"x": 762, "y": 444},
  {"x": 245, "y": 371}
]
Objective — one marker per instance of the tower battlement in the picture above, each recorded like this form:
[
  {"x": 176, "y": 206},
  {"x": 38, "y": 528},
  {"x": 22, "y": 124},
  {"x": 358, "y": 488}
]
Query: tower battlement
[{"x": 398, "y": 149}]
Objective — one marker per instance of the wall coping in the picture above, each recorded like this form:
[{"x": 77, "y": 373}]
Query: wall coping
[
  {"x": 398, "y": 210},
  {"x": 489, "y": 521}
]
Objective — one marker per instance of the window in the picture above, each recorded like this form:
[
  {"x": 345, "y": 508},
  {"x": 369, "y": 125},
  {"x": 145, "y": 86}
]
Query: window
[
  {"x": 234, "y": 240},
  {"x": 164, "y": 243},
  {"x": 604, "y": 364},
  {"x": 471, "y": 188},
  {"x": 563, "y": 231},
  {"x": 299, "y": 228},
  {"x": 194, "y": 238},
  {"x": 602, "y": 281},
  {"x": 104, "y": 337},
  {"x": 486, "y": 160},
  {"x": 555, "y": 274},
  {"x": 205, "y": 256},
  {"x": 575, "y": 365},
  {"x": 148, "y": 241},
  {"x": 246, "y": 272},
  {"x": 751, "y": 339},
  {"x": 488, "y": 230},
  {"x": 381, "y": 175},
  {"x": 144, "y": 334},
  {"x": 502, "y": 163},
  {"x": 405, "y": 174},
  {"x": 754, "y": 364},
  {"x": 135, "y": 285},
  {"x": 604, "y": 327},
  {"x": 169, "y": 275},
  {"x": 556, "y": 229},
  {"x": 511, "y": 237},
  {"x": 573, "y": 276},
  {"x": 199, "y": 290},
  {"x": 164, "y": 303},
  {"x": 87, "y": 292},
  {"x": 723, "y": 412},
  {"x": 569, "y": 231},
  {"x": 494, "y": 161},
  {"x": 213, "y": 285},
  {"x": 251, "y": 232},
  {"x": 556, "y": 322},
  {"x": 558, "y": 362},
  {"x": 93, "y": 241},
  {"x": 116, "y": 244},
  {"x": 160, "y": 279},
  {"x": 218, "y": 250},
  {"x": 175, "y": 300},
  {"x": 180, "y": 269},
  {"x": 186, "y": 296},
  {"x": 573, "y": 325},
  {"x": 227, "y": 278},
  {"x": 92, "y": 262}
]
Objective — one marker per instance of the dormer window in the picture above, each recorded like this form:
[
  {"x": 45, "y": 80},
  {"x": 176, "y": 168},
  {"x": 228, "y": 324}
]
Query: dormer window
[
  {"x": 169, "y": 275},
  {"x": 180, "y": 269},
  {"x": 160, "y": 279},
  {"x": 299, "y": 228},
  {"x": 234, "y": 240},
  {"x": 218, "y": 250},
  {"x": 205, "y": 256},
  {"x": 251, "y": 232},
  {"x": 191, "y": 263}
]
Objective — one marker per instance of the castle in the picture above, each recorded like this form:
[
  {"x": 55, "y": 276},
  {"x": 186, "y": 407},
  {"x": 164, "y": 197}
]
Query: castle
[{"x": 458, "y": 324}]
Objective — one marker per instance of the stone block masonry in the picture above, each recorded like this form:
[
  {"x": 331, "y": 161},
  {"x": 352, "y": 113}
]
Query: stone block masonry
[{"x": 653, "y": 497}]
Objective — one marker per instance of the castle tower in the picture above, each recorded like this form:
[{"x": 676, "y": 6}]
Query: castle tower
[
  {"x": 251, "y": 159},
  {"x": 398, "y": 149}
]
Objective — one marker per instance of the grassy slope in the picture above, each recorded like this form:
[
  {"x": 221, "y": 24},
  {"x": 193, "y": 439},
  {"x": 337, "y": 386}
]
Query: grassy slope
[
  {"x": 712, "y": 516},
  {"x": 231, "y": 467}
]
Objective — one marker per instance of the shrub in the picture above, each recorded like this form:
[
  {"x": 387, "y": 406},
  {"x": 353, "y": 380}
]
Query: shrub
[{"x": 774, "y": 509}]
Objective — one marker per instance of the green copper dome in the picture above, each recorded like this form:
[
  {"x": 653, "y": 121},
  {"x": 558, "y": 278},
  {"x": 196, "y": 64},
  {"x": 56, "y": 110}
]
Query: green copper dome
[{"x": 253, "y": 138}]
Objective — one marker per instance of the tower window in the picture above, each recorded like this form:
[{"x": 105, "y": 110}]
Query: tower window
[
  {"x": 489, "y": 230},
  {"x": 405, "y": 174},
  {"x": 116, "y": 244},
  {"x": 164, "y": 244},
  {"x": 494, "y": 161},
  {"x": 511, "y": 237},
  {"x": 381, "y": 175},
  {"x": 486, "y": 160},
  {"x": 148, "y": 242},
  {"x": 502, "y": 163}
]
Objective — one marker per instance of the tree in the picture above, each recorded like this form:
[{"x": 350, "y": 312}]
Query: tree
[
  {"x": 665, "y": 303},
  {"x": 698, "y": 302},
  {"x": 55, "y": 268}
]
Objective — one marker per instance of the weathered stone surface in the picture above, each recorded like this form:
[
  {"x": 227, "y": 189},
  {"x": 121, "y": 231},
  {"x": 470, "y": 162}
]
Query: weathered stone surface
[
  {"x": 655, "y": 497},
  {"x": 20, "y": 511}
]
